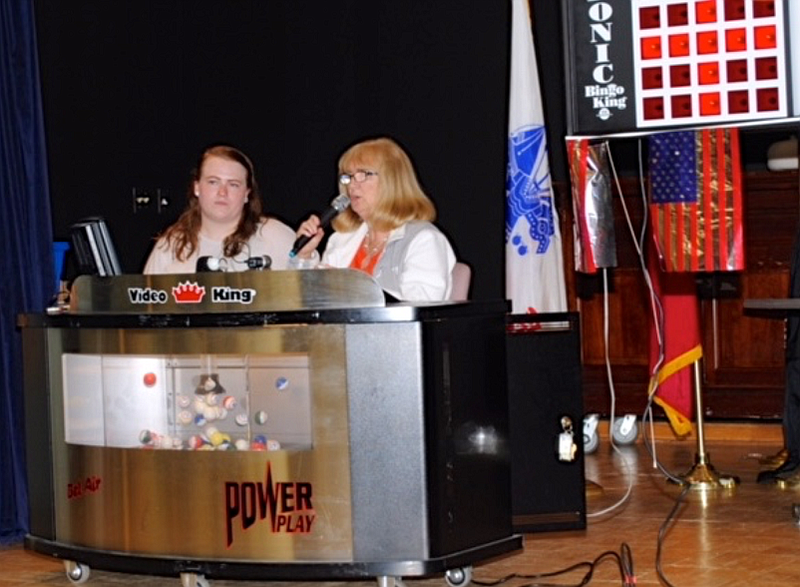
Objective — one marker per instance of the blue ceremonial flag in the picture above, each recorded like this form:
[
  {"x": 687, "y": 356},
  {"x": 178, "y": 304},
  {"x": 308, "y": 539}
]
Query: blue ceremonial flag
[{"x": 534, "y": 256}]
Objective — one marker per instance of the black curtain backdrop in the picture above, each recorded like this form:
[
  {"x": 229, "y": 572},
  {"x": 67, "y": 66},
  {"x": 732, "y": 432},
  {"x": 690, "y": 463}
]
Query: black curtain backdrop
[
  {"x": 26, "y": 264},
  {"x": 133, "y": 90}
]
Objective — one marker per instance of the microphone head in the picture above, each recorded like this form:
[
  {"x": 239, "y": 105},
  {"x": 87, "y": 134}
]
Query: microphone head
[
  {"x": 207, "y": 263},
  {"x": 261, "y": 262},
  {"x": 340, "y": 203}
]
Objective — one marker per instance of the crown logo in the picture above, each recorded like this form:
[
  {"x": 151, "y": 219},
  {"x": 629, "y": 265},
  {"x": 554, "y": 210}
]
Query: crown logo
[{"x": 188, "y": 293}]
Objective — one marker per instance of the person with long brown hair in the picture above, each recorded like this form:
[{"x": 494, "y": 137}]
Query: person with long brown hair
[
  {"x": 388, "y": 229},
  {"x": 223, "y": 220}
]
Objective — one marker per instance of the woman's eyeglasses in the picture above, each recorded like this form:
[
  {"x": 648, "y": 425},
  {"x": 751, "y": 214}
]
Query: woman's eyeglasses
[{"x": 359, "y": 176}]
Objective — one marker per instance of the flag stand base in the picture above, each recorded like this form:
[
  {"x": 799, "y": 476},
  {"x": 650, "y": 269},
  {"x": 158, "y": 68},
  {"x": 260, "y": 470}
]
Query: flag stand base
[{"x": 703, "y": 475}]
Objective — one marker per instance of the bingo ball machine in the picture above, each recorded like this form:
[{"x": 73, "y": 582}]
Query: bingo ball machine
[{"x": 283, "y": 425}]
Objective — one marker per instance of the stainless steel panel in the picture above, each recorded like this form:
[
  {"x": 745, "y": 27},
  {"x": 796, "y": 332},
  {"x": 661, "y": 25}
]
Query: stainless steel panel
[
  {"x": 282, "y": 505},
  {"x": 387, "y": 440},
  {"x": 248, "y": 291}
]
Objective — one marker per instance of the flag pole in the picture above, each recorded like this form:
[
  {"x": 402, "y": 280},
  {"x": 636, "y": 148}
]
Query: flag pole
[{"x": 703, "y": 475}]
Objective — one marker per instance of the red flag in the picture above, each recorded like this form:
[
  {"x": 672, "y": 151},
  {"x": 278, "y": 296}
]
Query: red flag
[
  {"x": 681, "y": 343},
  {"x": 696, "y": 200}
]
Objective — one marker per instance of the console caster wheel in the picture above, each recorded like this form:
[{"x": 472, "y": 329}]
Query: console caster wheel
[
  {"x": 458, "y": 577},
  {"x": 77, "y": 573},
  {"x": 193, "y": 580},
  {"x": 591, "y": 439},
  {"x": 626, "y": 430}
]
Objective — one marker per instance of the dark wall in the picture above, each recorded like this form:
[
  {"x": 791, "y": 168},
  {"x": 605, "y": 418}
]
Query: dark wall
[{"x": 134, "y": 90}]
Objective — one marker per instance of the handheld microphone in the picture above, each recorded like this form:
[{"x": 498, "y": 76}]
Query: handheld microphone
[{"x": 339, "y": 205}]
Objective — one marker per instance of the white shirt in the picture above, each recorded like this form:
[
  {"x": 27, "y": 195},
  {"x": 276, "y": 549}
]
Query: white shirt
[
  {"x": 272, "y": 238},
  {"x": 416, "y": 265}
]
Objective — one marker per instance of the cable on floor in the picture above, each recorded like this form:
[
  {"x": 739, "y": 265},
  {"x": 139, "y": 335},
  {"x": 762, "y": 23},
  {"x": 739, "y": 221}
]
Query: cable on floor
[
  {"x": 662, "y": 532},
  {"x": 624, "y": 560},
  {"x": 613, "y": 394}
]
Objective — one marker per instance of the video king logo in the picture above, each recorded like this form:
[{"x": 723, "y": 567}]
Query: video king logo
[{"x": 188, "y": 293}]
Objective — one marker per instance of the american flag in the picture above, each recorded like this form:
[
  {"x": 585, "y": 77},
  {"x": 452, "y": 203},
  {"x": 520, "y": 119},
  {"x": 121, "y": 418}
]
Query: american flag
[{"x": 696, "y": 200}]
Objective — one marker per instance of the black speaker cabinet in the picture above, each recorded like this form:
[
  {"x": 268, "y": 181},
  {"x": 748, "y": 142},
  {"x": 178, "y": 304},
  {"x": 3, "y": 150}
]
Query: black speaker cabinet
[{"x": 545, "y": 400}]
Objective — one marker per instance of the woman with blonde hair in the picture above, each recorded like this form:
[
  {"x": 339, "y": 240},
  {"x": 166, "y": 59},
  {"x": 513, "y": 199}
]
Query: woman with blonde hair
[
  {"x": 223, "y": 222},
  {"x": 388, "y": 229}
]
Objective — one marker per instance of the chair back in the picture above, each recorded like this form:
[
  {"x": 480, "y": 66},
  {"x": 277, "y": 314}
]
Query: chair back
[{"x": 462, "y": 278}]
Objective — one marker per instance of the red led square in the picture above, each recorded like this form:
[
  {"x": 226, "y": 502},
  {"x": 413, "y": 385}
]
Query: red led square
[
  {"x": 708, "y": 73},
  {"x": 677, "y": 14},
  {"x": 652, "y": 78},
  {"x": 767, "y": 68},
  {"x": 653, "y": 108},
  {"x": 649, "y": 18},
  {"x": 706, "y": 11},
  {"x": 734, "y": 9},
  {"x": 764, "y": 8},
  {"x": 710, "y": 104},
  {"x": 707, "y": 42},
  {"x": 679, "y": 45},
  {"x": 681, "y": 106},
  {"x": 737, "y": 70},
  {"x": 766, "y": 37},
  {"x": 736, "y": 40},
  {"x": 767, "y": 99},
  {"x": 680, "y": 75},
  {"x": 651, "y": 48},
  {"x": 738, "y": 102}
]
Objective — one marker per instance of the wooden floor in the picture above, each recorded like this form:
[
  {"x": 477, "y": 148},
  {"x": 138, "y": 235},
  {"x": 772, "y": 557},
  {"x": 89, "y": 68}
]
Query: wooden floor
[{"x": 744, "y": 536}]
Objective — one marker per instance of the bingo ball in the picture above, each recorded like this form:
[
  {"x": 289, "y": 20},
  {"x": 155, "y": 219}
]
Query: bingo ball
[
  {"x": 273, "y": 444},
  {"x": 196, "y": 441},
  {"x": 210, "y": 413},
  {"x": 229, "y": 402},
  {"x": 242, "y": 444},
  {"x": 260, "y": 417},
  {"x": 241, "y": 419},
  {"x": 149, "y": 379}
]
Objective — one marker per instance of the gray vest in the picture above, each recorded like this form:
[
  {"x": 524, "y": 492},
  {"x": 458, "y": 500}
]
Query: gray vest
[{"x": 387, "y": 273}]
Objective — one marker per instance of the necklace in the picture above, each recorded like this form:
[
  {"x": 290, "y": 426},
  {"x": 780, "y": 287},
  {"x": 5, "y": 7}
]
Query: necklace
[
  {"x": 373, "y": 245},
  {"x": 370, "y": 251}
]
